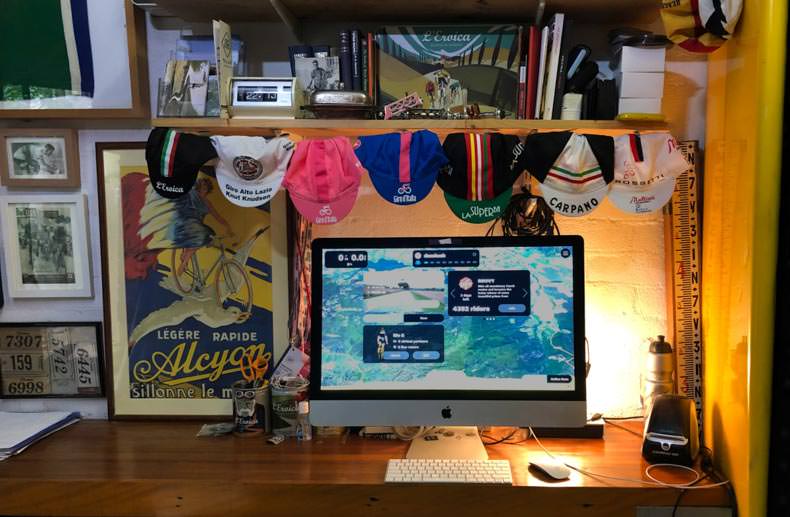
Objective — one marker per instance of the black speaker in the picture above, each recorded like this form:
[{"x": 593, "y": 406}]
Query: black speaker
[{"x": 671, "y": 433}]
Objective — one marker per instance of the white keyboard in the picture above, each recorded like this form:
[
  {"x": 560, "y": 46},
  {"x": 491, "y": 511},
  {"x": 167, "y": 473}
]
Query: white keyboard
[{"x": 449, "y": 471}]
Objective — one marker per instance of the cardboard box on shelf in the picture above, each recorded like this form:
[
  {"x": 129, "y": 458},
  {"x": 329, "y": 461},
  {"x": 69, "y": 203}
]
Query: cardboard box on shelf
[
  {"x": 641, "y": 84},
  {"x": 640, "y": 105},
  {"x": 638, "y": 59}
]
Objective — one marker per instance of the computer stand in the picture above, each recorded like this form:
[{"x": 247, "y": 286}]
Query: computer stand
[{"x": 450, "y": 443}]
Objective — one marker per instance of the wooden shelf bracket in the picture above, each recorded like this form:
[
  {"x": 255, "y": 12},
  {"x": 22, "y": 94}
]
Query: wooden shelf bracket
[{"x": 288, "y": 18}]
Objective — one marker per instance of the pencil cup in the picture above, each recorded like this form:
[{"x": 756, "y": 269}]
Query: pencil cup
[
  {"x": 287, "y": 392},
  {"x": 251, "y": 407}
]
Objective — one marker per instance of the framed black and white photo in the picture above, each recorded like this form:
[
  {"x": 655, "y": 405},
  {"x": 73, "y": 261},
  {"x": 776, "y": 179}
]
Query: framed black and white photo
[
  {"x": 317, "y": 73},
  {"x": 46, "y": 246},
  {"x": 51, "y": 360},
  {"x": 32, "y": 158}
]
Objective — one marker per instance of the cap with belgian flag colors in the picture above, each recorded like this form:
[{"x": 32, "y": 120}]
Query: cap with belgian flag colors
[{"x": 478, "y": 181}]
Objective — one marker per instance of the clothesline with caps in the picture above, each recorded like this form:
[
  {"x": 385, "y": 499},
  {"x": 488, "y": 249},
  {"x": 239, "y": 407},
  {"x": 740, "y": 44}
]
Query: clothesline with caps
[{"x": 476, "y": 171}]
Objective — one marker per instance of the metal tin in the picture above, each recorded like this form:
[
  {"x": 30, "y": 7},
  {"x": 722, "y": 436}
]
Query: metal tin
[{"x": 339, "y": 97}]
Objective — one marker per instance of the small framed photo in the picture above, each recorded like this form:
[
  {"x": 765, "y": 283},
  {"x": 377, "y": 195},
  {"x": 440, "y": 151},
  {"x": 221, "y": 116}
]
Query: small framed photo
[
  {"x": 31, "y": 158},
  {"x": 46, "y": 246},
  {"x": 51, "y": 360}
]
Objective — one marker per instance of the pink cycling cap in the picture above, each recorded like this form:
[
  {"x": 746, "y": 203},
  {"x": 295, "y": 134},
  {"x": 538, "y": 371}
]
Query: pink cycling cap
[{"x": 323, "y": 179}]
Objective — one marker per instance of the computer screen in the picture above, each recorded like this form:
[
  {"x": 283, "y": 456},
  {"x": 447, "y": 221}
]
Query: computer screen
[{"x": 457, "y": 318}]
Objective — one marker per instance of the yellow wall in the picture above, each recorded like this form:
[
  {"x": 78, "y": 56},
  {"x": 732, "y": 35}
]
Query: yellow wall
[{"x": 741, "y": 191}]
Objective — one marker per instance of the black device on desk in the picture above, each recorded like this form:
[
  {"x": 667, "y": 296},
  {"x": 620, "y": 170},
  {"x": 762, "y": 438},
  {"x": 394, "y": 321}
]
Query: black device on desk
[{"x": 671, "y": 432}]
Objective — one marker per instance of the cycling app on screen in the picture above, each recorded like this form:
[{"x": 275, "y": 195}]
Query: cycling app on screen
[{"x": 448, "y": 319}]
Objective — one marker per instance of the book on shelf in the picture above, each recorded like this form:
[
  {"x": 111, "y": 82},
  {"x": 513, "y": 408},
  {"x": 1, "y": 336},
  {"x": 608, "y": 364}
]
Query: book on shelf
[
  {"x": 552, "y": 64},
  {"x": 372, "y": 75},
  {"x": 344, "y": 53},
  {"x": 533, "y": 61},
  {"x": 562, "y": 67},
  {"x": 363, "y": 58},
  {"x": 521, "y": 94},
  {"x": 541, "y": 77},
  {"x": 356, "y": 61}
]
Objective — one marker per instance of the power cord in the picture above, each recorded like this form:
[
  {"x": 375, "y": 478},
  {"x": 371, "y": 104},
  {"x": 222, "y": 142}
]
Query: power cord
[
  {"x": 495, "y": 441},
  {"x": 526, "y": 214},
  {"x": 612, "y": 422},
  {"x": 710, "y": 471}
]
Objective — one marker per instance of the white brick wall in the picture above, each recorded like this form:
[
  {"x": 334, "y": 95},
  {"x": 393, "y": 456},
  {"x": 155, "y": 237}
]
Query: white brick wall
[{"x": 625, "y": 291}]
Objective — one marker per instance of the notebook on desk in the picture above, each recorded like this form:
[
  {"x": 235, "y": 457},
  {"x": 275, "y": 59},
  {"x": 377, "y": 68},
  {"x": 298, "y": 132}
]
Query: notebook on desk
[{"x": 20, "y": 430}]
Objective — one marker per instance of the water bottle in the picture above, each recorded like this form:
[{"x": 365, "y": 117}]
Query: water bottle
[
  {"x": 659, "y": 376},
  {"x": 304, "y": 430}
]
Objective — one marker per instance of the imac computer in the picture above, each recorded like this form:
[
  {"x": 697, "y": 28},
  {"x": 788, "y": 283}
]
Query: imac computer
[{"x": 459, "y": 331}]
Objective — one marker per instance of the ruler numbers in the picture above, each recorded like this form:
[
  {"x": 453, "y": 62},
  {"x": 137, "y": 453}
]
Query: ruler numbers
[{"x": 685, "y": 251}]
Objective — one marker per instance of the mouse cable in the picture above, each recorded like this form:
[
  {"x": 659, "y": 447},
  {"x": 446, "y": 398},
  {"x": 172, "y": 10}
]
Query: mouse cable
[{"x": 653, "y": 480}]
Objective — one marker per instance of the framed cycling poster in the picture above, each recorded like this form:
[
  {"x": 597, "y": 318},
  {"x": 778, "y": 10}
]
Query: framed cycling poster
[{"x": 193, "y": 287}]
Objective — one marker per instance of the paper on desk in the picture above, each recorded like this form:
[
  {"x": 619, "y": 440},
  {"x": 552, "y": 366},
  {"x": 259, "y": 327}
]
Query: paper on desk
[{"x": 20, "y": 430}]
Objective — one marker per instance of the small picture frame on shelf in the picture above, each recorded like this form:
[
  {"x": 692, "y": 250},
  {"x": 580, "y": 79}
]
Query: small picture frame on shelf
[
  {"x": 39, "y": 158},
  {"x": 51, "y": 360},
  {"x": 46, "y": 246}
]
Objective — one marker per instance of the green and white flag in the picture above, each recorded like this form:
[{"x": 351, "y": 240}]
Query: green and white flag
[{"x": 46, "y": 44}]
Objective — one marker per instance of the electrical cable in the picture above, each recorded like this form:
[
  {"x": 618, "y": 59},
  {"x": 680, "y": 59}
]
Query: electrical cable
[
  {"x": 682, "y": 493},
  {"x": 526, "y": 214},
  {"x": 624, "y": 428},
  {"x": 587, "y": 362},
  {"x": 408, "y": 434},
  {"x": 500, "y": 440},
  {"x": 652, "y": 482}
]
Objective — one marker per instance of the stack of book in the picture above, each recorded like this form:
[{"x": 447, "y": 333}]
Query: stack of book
[
  {"x": 357, "y": 52},
  {"x": 556, "y": 78}
]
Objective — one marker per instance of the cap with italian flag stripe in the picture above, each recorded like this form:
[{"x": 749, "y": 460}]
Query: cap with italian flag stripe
[
  {"x": 482, "y": 168},
  {"x": 174, "y": 159},
  {"x": 574, "y": 169}
]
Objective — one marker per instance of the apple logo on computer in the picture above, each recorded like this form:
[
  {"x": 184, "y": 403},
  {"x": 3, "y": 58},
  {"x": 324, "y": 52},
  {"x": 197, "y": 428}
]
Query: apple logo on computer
[{"x": 447, "y": 412}]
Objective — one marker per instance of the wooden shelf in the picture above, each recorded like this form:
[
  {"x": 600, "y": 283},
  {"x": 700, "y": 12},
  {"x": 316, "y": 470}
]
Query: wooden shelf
[
  {"x": 377, "y": 11},
  {"x": 352, "y": 127}
]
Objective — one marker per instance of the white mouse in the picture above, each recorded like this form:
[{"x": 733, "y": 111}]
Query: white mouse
[{"x": 552, "y": 469}]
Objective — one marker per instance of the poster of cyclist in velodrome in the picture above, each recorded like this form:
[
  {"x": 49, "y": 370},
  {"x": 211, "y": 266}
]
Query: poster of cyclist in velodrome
[{"x": 198, "y": 288}]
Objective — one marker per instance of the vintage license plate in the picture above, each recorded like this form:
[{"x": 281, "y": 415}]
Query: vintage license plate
[
  {"x": 11, "y": 339},
  {"x": 61, "y": 359},
  {"x": 26, "y": 386},
  {"x": 56, "y": 360},
  {"x": 87, "y": 368},
  {"x": 22, "y": 362}
]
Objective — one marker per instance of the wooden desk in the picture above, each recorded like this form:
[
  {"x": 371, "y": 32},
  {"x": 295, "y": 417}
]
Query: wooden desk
[{"x": 158, "y": 468}]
